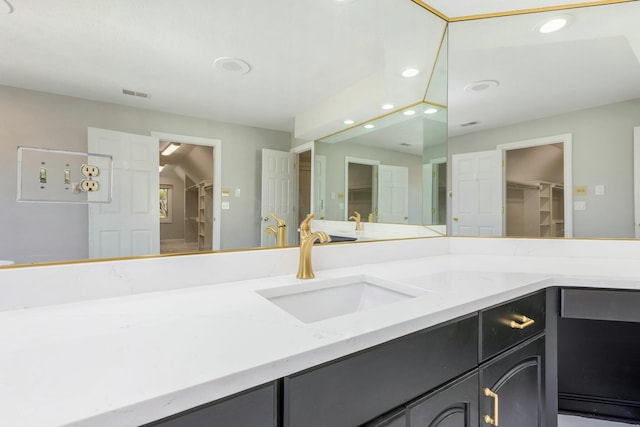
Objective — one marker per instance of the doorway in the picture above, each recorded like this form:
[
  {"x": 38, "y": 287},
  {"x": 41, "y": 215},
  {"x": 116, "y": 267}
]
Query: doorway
[
  {"x": 536, "y": 173},
  {"x": 361, "y": 188},
  {"x": 304, "y": 184},
  {"x": 190, "y": 176}
]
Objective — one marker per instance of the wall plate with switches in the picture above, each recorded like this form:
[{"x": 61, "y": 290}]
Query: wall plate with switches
[{"x": 61, "y": 176}]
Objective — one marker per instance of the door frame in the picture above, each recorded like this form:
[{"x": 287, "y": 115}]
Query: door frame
[
  {"x": 361, "y": 161},
  {"x": 217, "y": 175},
  {"x": 430, "y": 205},
  {"x": 636, "y": 180},
  {"x": 566, "y": 141}
]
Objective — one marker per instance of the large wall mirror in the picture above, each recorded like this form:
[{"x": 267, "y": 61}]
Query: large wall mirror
[
  {"x": 222, "y": 81},
  {"x": 560, "y": 108},
  {"x": 148, "y": 69}
]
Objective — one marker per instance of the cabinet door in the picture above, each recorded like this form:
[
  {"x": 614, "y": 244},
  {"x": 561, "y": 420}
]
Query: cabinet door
[
  {"x": 358, "y": 388},
  {"x": 253, "y": 408},
  {"x": 512, "y": 387},
  {"x": 395, "y": 418},
  {"x": 454, "y": 405}
]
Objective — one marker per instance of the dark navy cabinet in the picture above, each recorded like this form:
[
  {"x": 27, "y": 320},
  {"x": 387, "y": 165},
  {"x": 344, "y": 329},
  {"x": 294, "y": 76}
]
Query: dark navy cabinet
[
  {"x": 358, "y": 388},
  {"x": 257, "y": 407},
  {"x": 599, "y": 353}
]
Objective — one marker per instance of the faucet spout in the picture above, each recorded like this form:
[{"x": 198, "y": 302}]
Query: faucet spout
[
  {"x": 280, "y": 231},
  {"x": 356, "y": 217},
  {"x": 307, "y": 239}
]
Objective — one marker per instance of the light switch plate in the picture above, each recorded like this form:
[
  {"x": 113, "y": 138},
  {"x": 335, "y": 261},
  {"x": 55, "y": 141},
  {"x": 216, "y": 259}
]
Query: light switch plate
[
  {"x": 580, "y": 205},
  {"x": 580, "y": 190},
  {"x": 225, "y": 205},
  {"x": 56, "y": 176},
  {"x": 599, "y": 189}
]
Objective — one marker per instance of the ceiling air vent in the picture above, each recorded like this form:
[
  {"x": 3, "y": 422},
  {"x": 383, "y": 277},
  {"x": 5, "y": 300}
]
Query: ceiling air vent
[
  {"x": 134, "y": 93},
  {"x": 469, "y": 124},
  {"x": 404, "y": 144}
]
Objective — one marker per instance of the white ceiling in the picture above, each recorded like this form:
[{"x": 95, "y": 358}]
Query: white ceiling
[{"x": 315, "y": 62}]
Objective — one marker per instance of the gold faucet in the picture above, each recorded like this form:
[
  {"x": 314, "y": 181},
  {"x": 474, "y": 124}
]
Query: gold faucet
[
  {"x": 307, "y": 239},
  {"x": 280, "y": 231},
  {"x": 356, "y": 218}
]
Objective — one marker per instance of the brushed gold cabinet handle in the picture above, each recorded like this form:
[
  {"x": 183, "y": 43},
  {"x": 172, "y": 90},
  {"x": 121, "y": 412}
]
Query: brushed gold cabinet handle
[
  {"x": 525, "y": 322},
  {"x": 486, "y": 417}
]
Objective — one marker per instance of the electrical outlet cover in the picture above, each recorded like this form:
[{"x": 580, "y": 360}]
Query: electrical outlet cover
[{"x": 89, "y": 171}]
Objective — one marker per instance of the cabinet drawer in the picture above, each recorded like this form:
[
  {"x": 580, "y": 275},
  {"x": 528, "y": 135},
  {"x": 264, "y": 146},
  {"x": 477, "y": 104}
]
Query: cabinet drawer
[
  {"x": 510, "y": 323},
  {"x": 253, "y": 408},
  {"x": 600, "y": 304},
  {"x": 361, "y": 387}
]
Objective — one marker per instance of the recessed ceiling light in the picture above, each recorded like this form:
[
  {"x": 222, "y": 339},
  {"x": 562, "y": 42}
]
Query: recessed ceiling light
[
  {"x": 410, "y": 72},
  {"x": 170, "y": 149},
  {"x": 409, "y": 113},
  {"x": 431, "y": 110},
  {"x": 481, "y": 86},
  {"x": 232, "y": 65},
  {"x": 369, "y": 126},
  {"x": 348, "y": 122},
  {"x": 5, "y": 7},
  {"x": 387, "y": 106},
  {"x": 553, "y": 24}
]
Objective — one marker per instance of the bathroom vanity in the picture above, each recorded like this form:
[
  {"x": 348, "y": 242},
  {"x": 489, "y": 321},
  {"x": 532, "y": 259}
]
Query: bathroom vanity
[{"x": 212, "y": 349}]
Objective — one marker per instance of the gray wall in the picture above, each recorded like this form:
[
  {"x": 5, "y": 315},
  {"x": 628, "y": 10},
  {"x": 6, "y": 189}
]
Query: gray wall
[
  {"x": 602, "y": 154},
  {"x": 51, "y": 232},
  {"x": 335, "y": 174}
]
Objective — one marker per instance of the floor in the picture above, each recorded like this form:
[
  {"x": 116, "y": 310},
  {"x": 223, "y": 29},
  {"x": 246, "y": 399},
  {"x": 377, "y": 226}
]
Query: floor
[
  {"x": 169, "y": 246},
  {"x": 571, "y": 421}
]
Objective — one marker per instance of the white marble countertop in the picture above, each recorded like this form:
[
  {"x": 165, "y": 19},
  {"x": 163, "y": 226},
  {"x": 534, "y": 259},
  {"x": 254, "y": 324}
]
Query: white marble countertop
[{"x": 132, "y": 359}]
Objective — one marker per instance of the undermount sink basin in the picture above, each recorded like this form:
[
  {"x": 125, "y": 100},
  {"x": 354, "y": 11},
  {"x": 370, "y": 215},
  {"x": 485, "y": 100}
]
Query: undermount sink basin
[{"x": 319, "y": 300}]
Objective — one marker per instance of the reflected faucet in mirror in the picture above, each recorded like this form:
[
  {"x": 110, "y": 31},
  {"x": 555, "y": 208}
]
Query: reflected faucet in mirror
[
  {"x": 307, "y": 239},
  {"x": 279, "y": 230},
  {"x": 356, "y": 217}
]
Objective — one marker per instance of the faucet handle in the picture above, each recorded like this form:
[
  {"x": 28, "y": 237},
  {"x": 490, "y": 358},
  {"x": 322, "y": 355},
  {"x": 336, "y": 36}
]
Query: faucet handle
[
  {"x": 305, "y": 227},
  {"x": 279, "y": 221}
]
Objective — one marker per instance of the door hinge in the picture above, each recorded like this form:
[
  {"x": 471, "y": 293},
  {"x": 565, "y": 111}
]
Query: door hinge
[
  {"x": 502, "y": 163},
  {"x": 503, "y": 210}
]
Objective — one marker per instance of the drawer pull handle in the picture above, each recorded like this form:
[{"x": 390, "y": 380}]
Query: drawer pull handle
[
  {"x": 487, "y": 418},
  {"x": 525, "y": 322}
]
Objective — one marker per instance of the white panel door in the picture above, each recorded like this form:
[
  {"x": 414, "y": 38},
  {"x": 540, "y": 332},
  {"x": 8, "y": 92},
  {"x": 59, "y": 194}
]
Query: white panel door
[
  {"x": 278, "y": 194},
  {"x": 130, "y": 224},
  {"x": 393, "y": 194},
  {"x": 476, "y": 201},
  {"x": 320, "y": 186}
]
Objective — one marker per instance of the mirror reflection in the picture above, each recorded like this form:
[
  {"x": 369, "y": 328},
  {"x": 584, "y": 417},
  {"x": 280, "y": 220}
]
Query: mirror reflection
[
  {"x": 386, "y": 169},
  {"x": 200, "y": 81},
  {"x": 572, "y": 95}
]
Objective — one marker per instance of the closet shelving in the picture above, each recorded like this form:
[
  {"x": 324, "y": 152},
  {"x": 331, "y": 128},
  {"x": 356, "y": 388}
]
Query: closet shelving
[
  {"x": 205, "y": 207},
  {"x": 535, "y": 208}
]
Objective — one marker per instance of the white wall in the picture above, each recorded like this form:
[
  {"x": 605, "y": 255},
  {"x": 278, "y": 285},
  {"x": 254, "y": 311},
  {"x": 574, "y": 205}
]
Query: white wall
[
  {"x": 602, "y": 141},
  {"x": 51, "y": 232}
]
